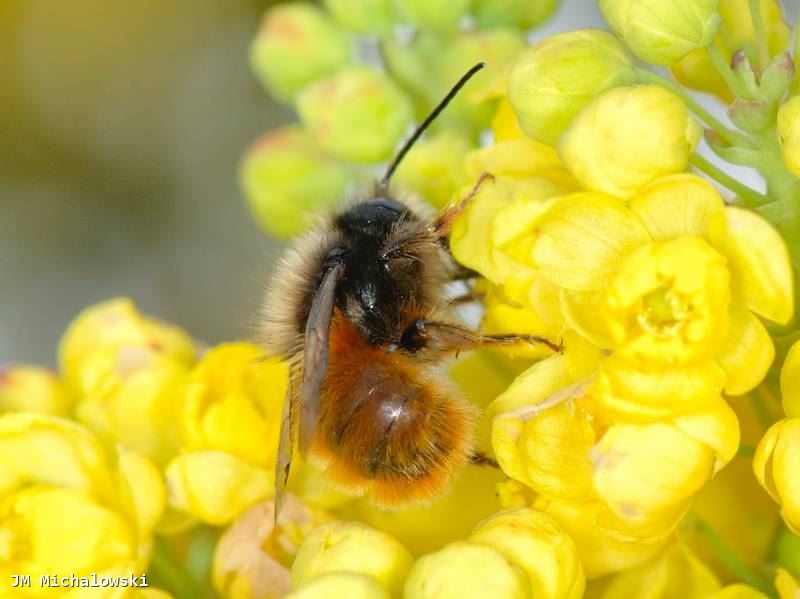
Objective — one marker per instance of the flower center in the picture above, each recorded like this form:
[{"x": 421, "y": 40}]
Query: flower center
[{"x": 664, "y": 312}]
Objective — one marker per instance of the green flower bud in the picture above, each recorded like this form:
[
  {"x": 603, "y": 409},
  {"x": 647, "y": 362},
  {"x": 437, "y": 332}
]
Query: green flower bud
[
  {"x": 753, "y": 116},
  {"x": 512, "y": 13},
  {"x": 474, "y": 107},
  {"x": 662, "y": 32},
  {"x": 357, "y": 114},
  {"x": 296, "y": 45},
  {"x": 555, "y": 78},
  {"x": 744, "y": 72},
  {"x": 352, "y": 547},
  {"x": 777, "y": 77},
  {"x": 434, "y": 168},
  {"x": 285, "y": 177},
  {"x": 464, "y": 569},
  {"x": 409, "y": 63},
  {"x": 363, "y": 16},
  {"x": 439, "y": 15}
]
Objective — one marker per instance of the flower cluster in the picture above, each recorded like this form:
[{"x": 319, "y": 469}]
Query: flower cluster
[{"x": 651, "y": 458}]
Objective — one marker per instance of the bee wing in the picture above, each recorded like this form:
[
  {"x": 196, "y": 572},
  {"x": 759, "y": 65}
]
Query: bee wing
[
  {"x": 284, "y": 460},
  {"x": 315, "y": 354}
]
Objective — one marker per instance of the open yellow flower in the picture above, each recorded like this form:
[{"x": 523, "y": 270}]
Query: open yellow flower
[
  {"x": 68, "y": 506},
  {"x": 672, "y": 280},
  {"x": 229, "y": 433}
]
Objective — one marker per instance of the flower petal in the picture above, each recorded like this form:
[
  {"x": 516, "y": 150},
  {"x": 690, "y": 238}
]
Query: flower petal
[
  {"x": 747, "y": 353},
  {"x": 761, "y": 273},
  {"x": 677, "y": 205},
  {"x": 583, "y": 237},
  {"x": 790, "y": 382}
]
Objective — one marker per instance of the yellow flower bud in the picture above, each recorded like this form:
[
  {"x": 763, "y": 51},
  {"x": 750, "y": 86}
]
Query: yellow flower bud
[
  {"x": 605, "y": 150},
  {"x": 33, "y": 389},
  {"x": 440, "y": 15},
  {"x": 286, "y": 178},
  {"x": 554, "y": 79},
  {"x": 69, "y": 507},
  {"x": 134, "y": 396},
  {"x": 676, "y": 572},
  {"x": 352, "y": 547},
  {"x": 466, "y": 569},
  {"x": 533, "y": 541},
  {"x": 789, "y": 134},
  {"x": 434, "y": 168},
  {"x": 252, "y": 557},
  {"x": 334, "y": 585},
  {"x": 363, "y": 16},
  {"x": 355, "y": 99},
  {"x": 787, "y": 586},
  {"x": 214, "y": 486},
  {"x": 512, "y": 13},
  {"x": 663, "y": 32},
  {"x": 234, "y": 402},
  {"x": 790, "y": 382},
  {"x": 112, "y": 324},
  {"x": 296, "y": 45},
  {"x": 775, "y": 465}
]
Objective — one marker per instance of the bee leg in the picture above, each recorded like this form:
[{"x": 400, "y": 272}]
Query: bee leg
[
  {"x": 467, "y": 298},
  {"x": 445, "y": 337},
  {"x": 463, "y": 273},
  {"x": 481, "y": 459},
  {"x": 444, "y": 221}
]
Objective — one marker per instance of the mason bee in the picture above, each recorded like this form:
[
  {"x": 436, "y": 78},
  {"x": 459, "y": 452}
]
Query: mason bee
[{"x": 358, "y": 307}]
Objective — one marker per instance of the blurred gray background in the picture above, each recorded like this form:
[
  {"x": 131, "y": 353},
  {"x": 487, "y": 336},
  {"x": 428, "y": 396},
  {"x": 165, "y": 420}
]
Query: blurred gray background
[{"x": 121, "y": 126}]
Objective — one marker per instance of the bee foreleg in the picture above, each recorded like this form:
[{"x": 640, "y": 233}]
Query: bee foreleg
[
  {"x": 447, "y": 337},
  {"x": 481, "y": 459},
  {"x": 444, "y": 222}
]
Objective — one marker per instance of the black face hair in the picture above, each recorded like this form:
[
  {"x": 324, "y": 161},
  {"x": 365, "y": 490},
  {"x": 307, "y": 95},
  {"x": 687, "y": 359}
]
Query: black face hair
[{"x": 426, "y": 123}]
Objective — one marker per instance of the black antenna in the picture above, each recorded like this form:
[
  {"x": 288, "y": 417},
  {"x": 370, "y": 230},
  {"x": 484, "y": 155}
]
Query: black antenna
[{"x": 426, "y": 123}]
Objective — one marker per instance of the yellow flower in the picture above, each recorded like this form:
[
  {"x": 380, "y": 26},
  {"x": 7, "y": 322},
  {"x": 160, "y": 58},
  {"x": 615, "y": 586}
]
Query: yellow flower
[
  {"x": 654, "y": 274},
  {"x": 285, "y": 177},
  {"x": 790, "y": 382},
  {"x": 466, "y": 569},
  {"x": 352, "y": 547},
  {"x": 33, "y": 389},
  {"x": 776, "y": 467},
  {"x": 297, "y": 44},
  {"x": 353, "y": 99},
  {"x": 534, "y": 542},
  {"x": 252, "y": 557},
  {"x": 113, "y": 324},
  {"x": 134, "y": 396},
  {"x": 789, "y": 134},
  {"x": 230, "y": 426},
  {"x": 555, "y": 78},
  {"x": 604, "y": 147},
  {"x": 67, "y": 506},
  {"x": 663, "y": 32},
  {"x": 676, "y": 572},
  {"x": 334, "y": 585},
  {"x": 738, "y": 591}
]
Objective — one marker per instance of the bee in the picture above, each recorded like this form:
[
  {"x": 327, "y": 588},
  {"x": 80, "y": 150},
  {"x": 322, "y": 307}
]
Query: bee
[{"x": 358, "y": 307}]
